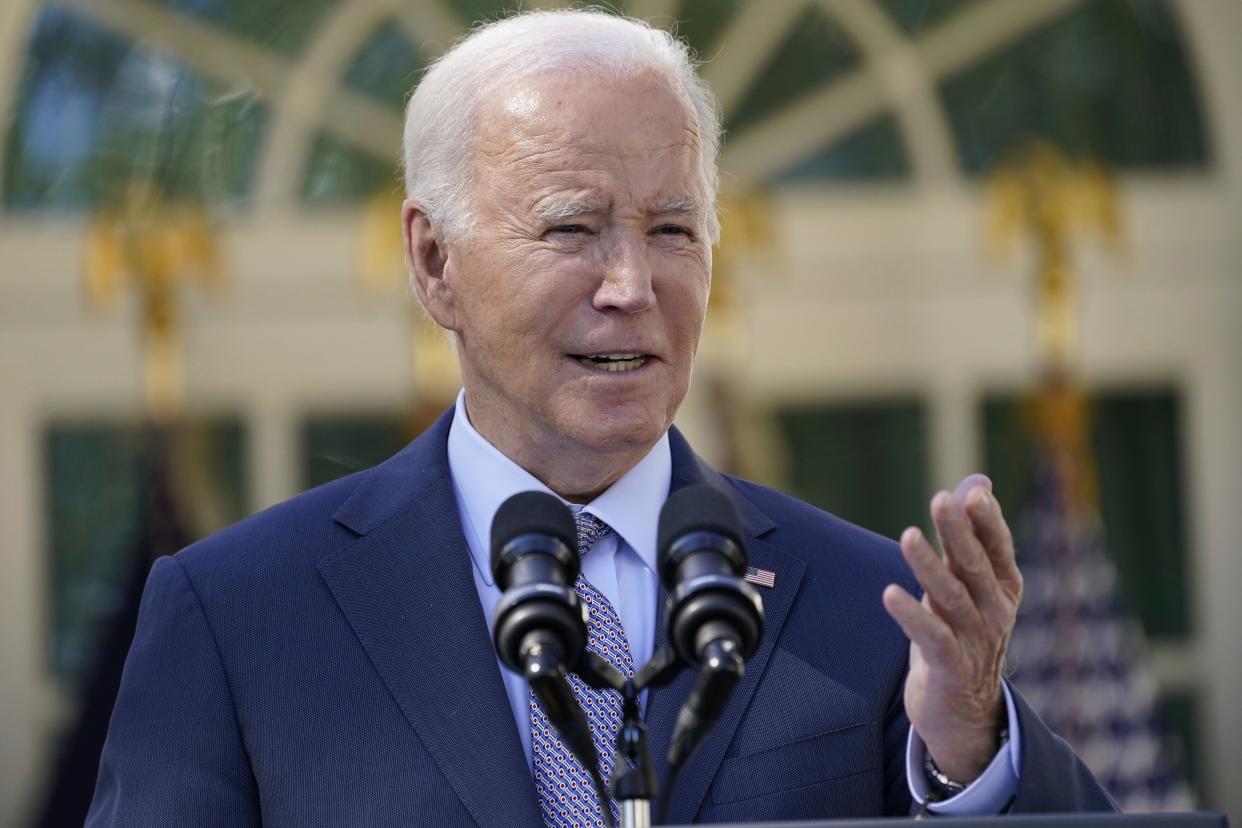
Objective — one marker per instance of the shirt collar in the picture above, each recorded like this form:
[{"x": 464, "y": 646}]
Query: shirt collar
[{"x": 483, "y": 479}]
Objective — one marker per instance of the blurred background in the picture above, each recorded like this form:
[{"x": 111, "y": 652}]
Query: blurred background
[{"x": 959, "y": 235}]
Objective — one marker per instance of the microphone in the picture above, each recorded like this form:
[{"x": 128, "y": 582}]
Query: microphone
[
  {"x": 535, "y": 562},
  {"x": 715, "y": 618},
  {"x": 539, "y": 626}
]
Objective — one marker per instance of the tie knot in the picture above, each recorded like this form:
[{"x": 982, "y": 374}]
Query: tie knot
[{"x": 590, "y": 530}]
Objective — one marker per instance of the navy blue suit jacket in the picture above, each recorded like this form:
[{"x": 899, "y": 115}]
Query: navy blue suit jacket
[{"x": 327, "y": 662}]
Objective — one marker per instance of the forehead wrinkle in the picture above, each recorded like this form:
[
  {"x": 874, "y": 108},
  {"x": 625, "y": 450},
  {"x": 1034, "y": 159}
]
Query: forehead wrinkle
[
  {"x": 533, "y": 143},
  {"x": 524, "y": 140},
  {"x": 529, "y": 109},
  {"x": 568, "y": 154},
  {"x": 522, "y": 153}
]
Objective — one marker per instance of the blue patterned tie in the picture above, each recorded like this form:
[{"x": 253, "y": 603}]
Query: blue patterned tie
[{"x": 566, "y": 793}]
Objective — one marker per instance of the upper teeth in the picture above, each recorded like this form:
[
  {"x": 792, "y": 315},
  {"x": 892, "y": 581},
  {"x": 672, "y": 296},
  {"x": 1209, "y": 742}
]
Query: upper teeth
[{"x": 614, "y": 362}]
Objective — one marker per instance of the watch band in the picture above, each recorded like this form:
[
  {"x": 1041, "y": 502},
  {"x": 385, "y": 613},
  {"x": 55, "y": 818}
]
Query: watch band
[{"x": 941, "y": 784}]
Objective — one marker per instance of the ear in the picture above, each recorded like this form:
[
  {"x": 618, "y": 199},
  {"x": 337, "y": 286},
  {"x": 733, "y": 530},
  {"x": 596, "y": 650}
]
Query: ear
[{"x": 426, "y": 258}]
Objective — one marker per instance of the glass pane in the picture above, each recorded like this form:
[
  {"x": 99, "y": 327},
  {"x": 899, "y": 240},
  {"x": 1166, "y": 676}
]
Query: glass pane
[
  {"x": 282, "y": 25},
  {"x": 95, "y": 112},
  {"x": 875, "y": 151},
  {"x": 815, "y": 51},
  {"x": 701, "y": 23},
  {"x": 1136, "y": 437},
  {"x": 338, "y": 172},
  {"x": 98, "y": 504},
  {"x": 1109, "y": 80},
  {"x": 475, "y": 11},
  {"x": 1138, "y": 443},
  {"x": 56, "y": 121},
  {"x": 866, "y": 461},
  {"x": 334, "y": 446},
  {"x": 387, "y": 67},
  {"x": 916, "y": 16}
]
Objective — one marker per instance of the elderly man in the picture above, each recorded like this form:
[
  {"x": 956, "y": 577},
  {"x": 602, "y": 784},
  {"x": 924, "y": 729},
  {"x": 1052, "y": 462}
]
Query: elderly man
[{"x": 327, "y": 662}]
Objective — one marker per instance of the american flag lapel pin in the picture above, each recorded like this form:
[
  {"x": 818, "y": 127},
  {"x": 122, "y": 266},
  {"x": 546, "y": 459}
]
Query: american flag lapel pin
[{"x": 760, "y": 577}]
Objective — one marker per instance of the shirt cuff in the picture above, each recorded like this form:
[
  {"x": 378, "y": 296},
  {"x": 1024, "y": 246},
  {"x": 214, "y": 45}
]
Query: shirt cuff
[{"x": 988, "y": 794}]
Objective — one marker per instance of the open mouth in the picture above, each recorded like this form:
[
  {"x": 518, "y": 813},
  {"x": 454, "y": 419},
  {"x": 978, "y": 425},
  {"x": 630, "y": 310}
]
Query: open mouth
[{"x": 614, "y": 363}]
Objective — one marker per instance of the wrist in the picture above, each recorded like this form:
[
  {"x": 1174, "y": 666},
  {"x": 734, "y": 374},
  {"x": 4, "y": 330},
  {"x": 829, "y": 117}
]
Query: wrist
[
  {"x": 966, "y": 743},
  {"x": 946, "y": 785}
]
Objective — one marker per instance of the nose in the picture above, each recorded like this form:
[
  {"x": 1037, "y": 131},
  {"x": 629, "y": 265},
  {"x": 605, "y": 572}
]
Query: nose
[{"x": 627, "y": 282}]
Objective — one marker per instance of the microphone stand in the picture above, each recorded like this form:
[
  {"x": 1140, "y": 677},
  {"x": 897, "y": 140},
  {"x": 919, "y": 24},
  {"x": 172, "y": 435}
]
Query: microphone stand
[
  {"x": 634, "y": 784},
  {"x": 633, "y": 779}
]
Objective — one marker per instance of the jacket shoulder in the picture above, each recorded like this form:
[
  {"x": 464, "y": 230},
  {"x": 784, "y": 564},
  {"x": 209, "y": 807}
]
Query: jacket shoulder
[{"x": 292, "y": 534}]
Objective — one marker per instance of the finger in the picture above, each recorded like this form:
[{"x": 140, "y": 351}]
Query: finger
[
  {"x": 964, "y": 553},
  {"x": 993, "y": 532},
  {"x": 921, "y": 625},
  {"x": 949, "y": 597},
  {"x": 970, "y": 482}
]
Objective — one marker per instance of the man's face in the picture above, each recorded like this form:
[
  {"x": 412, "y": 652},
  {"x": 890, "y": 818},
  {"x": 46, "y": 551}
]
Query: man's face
[{"x": 579, "y": 297}]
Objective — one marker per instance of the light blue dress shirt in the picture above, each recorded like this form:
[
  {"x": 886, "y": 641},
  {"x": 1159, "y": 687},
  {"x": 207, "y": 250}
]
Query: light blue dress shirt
[{"x": 623, "y": 567}]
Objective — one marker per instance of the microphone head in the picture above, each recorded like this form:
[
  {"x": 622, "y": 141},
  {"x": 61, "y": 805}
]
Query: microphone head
[
  {"x": 532, "y": 513},
  {"x": 698, "y": 508}
]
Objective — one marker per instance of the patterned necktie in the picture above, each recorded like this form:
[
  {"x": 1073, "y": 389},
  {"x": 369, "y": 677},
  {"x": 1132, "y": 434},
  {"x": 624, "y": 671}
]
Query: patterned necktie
[{"x": 566, "y": 793}]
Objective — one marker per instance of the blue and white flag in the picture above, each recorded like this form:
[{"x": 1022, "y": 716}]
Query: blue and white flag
[{"x": 1077, "y": 655}]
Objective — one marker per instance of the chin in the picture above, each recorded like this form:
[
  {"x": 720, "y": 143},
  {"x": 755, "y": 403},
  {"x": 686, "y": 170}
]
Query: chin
[{"x": 609, "y": 432}]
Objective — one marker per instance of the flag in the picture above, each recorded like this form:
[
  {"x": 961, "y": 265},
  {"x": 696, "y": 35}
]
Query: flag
[
  {"x": 71, "y": 786},
  {"x": 761, "y": 577},
  {"x": 1077, "y": 654}
]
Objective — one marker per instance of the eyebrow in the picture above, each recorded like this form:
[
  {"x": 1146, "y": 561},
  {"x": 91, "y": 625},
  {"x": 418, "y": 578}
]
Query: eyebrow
[
  {"x": 685, "y": 206},
  {"x": 564, "y": 210},
  {"x": 560, "y": 211}
]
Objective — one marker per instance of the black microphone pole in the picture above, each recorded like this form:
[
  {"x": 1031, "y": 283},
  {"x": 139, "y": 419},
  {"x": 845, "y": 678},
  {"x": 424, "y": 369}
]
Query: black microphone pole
[{"x": 723, "y": 667}]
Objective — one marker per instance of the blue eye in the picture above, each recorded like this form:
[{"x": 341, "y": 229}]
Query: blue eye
[{"x": 569, "y": 228}]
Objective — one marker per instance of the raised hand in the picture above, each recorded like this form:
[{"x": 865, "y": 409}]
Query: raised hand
[{"x": 960, "y": 629}]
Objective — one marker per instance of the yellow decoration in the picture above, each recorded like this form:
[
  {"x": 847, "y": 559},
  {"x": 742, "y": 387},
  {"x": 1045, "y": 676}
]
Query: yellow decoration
[
  {"x": 1060, "y": 418},
  {"x": 381, "y": 253},
  {"x": 1041, "y": 194},
  {"x": 745, "y": 230},
  {"x": 153, "y": 246}
]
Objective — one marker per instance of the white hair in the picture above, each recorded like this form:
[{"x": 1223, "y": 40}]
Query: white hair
[{"x": 440, "y": 116}]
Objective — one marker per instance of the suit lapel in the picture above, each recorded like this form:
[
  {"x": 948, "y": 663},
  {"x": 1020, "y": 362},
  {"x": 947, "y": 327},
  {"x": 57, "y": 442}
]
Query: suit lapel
[
  {"x": 407, "y": 590},
  {"x": 664, "y": 703}
]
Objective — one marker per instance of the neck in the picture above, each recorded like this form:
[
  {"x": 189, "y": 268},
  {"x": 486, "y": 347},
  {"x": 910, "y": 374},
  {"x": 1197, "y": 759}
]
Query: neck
[{"x": 575, "y": 472}]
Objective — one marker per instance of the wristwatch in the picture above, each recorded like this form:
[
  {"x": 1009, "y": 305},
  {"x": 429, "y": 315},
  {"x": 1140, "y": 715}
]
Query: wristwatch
[{"x": 942, "y": 786}]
